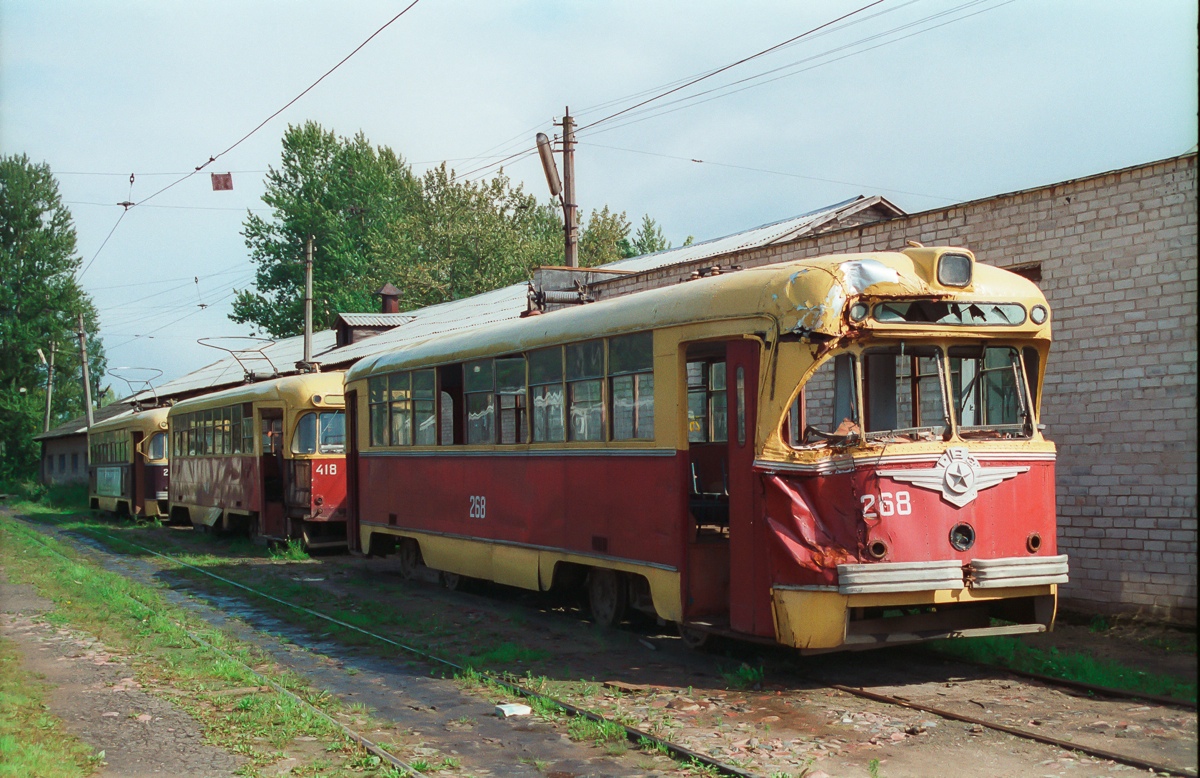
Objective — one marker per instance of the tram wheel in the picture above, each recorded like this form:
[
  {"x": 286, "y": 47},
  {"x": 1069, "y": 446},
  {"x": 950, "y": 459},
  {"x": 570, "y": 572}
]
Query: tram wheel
[
  {"x": 409, "y": 557},
  {"x": 607, "y": 596},
  {"x": 451, "y": 581},
  {"x": 694, "y": 639}
]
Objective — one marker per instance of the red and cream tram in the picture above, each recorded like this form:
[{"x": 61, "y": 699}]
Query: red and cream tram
[
  {"x": 841, "y": 452},
  {"x": 265, "y": 458},
  {"x": 127, "y": 464}
]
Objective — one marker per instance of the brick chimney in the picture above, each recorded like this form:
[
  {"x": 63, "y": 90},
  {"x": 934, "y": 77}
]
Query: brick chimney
[{"x": 391, "y": 299}]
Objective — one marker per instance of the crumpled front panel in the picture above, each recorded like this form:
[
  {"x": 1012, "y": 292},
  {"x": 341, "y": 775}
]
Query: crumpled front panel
[{"x": 803, "y": 548}]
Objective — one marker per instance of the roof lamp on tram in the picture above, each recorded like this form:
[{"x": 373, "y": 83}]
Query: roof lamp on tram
[
  {"x": 1039, "y": 314},
  {"x": 954, "y": 270},
  {"x": 858, "y": 312}
]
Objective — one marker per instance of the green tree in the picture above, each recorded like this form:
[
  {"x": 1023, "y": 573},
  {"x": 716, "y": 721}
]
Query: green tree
[
  {"x": 466, "y": 238},
  {"x": 649, "y": 238},
  {"x": 605, "y": 238},
  {"x": 346, "y": 193},
  {"x": 39, "y": 303}
]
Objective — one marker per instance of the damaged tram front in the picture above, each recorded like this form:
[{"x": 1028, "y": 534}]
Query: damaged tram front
[{"x": 907, "y": 491}]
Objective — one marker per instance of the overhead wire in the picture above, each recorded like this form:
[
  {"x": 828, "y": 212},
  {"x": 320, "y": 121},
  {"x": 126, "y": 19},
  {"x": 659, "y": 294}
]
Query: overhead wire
[
  {"x": 772, "y": 172},
  {"x": 692, "y": 100},
  {"x": 286, "y": 105}
]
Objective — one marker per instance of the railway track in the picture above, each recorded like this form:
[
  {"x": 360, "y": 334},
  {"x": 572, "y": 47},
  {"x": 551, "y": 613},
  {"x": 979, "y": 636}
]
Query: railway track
[
  {"x": 683, "y": 753},
  {"x": 634, "y": 735}
]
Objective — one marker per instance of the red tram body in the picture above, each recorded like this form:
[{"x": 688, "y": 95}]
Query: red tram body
[
  {"x": 266, "y": 458},
  {"x": 835, "y": 453}
]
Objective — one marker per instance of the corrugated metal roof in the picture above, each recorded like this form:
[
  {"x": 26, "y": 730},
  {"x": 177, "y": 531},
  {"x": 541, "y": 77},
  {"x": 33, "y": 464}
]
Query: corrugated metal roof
[
  {"x": 79, "y": 426},
  {"x": 375, "y": 319},
  {"x": 775, "y": 232}
]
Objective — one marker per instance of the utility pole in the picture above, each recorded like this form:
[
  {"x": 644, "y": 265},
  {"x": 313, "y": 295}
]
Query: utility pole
[
  {"x": 308, "y": 254},
  {"x": 87, "y": 381},
  {"x": 570, "y": 207},
  {"x": 49, "y": 385}
]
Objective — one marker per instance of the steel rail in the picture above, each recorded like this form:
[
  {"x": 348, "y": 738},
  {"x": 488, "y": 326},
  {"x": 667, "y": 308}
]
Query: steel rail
[
  {"x": 633, "y": 734},
  {"x": 362, "y": 741},
  {"x": 1132, "y": 761}
]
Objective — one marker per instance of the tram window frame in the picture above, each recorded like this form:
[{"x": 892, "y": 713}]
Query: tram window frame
[
  {"x": 806, "y": 424},
  {"x": 157, "y": 447},
  {"x": 511, "y": 388},
  {"x": 1022, "y": 426},
  {"x": 585, "y": 379},
  {"x": 547, "y": 371},
  {"x": 631, "y": 364},
  {"x": 424, "y": 403},
  {"x": 909, "y": 384},
  {"x": 704, "y": 398},
  {"x": 479, "y": 405},
  {"x": 315, "y": 425},
  {"x": 377, "y": 410},
  {"x": 400, "y": 409}
]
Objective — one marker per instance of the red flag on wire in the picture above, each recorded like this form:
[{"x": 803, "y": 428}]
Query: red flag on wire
[{"x": 222, "y": 182}]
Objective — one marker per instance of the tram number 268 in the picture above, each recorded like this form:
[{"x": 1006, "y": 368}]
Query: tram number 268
[
  {"x": 478, "y": 507},
  {"x": 887, "y": 504}
]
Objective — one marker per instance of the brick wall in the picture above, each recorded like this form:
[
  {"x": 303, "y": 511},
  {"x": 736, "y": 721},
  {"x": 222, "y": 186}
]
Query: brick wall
[{"x": 1118, "y": 262}]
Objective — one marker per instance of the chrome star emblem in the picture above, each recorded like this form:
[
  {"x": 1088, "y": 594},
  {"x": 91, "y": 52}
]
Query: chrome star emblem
[{"x": 957, "y": 475}]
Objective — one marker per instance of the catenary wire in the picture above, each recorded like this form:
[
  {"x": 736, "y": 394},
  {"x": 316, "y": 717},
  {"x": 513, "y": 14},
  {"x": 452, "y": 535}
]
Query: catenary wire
[
  {"x": 287, "y": 105},
  {"x": 103, "y": 243},
  {"x": 772, "y": 172}
]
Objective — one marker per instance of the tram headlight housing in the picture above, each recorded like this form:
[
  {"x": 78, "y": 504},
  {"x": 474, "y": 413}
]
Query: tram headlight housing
[
  {"x": 954, "y": 270},
  {"x": 858, "y": 311},
  {"x": 1039, "y": 314}
]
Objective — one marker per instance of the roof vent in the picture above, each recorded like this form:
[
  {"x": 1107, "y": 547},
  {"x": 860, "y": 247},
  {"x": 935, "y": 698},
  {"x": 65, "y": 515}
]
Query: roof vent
[{"x": 391, "y": 299}]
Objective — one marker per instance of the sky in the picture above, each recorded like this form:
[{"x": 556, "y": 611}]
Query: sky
[{"x": 926, "y": 102}]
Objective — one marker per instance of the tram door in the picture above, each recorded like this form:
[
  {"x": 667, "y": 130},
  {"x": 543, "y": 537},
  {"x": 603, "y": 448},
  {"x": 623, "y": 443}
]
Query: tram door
[
  {"x": 271, "y": 467},
  {"x": 724, "y": 565},
  {"x": 137, "y": 477}
]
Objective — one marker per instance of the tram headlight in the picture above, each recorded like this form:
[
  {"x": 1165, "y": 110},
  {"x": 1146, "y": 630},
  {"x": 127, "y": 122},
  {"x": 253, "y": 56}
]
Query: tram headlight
[
  {"x": 954, "y": 270},
  {"x": 1039, "y": 314},
  {"x": 858, "y": 312}
]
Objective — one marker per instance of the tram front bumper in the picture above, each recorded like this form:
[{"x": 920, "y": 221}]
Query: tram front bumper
[{"x": 824, "y": 619}]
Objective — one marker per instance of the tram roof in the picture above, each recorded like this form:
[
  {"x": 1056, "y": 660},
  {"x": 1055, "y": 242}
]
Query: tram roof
[
  {"x": 807, "y": 295},
  {"x": 293, "y": 390},
  {"x": 148, "y": 419}
]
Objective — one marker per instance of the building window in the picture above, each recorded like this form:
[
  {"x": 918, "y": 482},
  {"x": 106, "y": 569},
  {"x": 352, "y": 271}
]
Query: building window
[
  {"x": 74, "y": 463},
  {"x": 62, "y": 463}
]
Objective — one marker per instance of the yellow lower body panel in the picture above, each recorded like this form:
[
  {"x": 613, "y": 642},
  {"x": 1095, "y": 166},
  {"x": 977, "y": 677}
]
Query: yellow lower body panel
[
  {"x": 528, "y": 567},
  {"x": 821, "y": 619}
]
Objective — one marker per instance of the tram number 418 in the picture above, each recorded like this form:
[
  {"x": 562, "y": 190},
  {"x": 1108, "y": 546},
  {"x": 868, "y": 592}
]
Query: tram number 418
[
  {"x": 887, "y": 503},
  {"x": 329, "y": 468},
  {"x": 478, "y": 507}
]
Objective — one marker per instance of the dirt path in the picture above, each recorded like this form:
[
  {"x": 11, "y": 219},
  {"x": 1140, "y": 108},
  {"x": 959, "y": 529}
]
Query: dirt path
[{"x": 96, "y": 696}]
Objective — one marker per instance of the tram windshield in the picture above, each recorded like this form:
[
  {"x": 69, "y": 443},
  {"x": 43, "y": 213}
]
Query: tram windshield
[
  {"x": 320, "y": 433},
  {"x": 903, "y": 395},
  {"x": 157, "y": 449}
]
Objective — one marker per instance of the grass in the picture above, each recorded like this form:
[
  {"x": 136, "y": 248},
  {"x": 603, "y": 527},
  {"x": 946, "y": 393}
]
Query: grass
[
  {"x": 291, "y": 551},
  {"x": 137, "y": 621},
  {"x": 1072, "y": 666},
  {"x": 745, "y": 677},
  {"x": 32, "y": 740}
]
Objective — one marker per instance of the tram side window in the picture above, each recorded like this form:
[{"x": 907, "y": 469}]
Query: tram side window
[
  {"x": 400, "y": 408},
  {"x": 425, "y": 426},
  {"x": 708, "y": 407},
  {"x": 510, "y": 398},
  {"x": 989, "y": 390},
  {"x": 902, "y": 390},
  {"x": 585, "y": 390},
  {"x": 546, "y": 391},
  {"x": 827, "y": 406},
  {"x": 247, "y": 429},
  {"x": 479, "y": 380},
  {"x": 378, "y": 410},
  {"x": 631, "y": 371}
]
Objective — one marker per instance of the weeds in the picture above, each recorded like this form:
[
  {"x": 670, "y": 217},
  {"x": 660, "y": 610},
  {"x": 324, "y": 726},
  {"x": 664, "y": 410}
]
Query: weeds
[
  {"x": 291, "y": 551},
  {"x": 745, "y": 677},
  {"x": 1010, "y": 652},
  {"x": 873, "y": 768}
]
